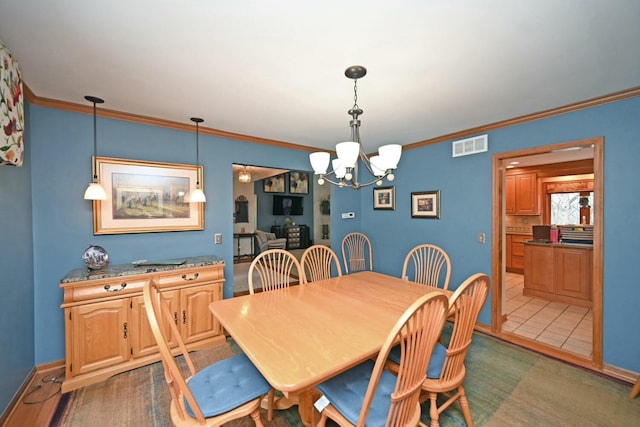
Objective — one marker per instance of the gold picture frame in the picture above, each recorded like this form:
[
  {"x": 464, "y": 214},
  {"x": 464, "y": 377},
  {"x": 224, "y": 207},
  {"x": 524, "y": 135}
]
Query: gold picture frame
[
  {"x": 146, "y": 197},
  {"x": 425, "y": 204}
]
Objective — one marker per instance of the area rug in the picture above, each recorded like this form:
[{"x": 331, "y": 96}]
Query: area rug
[
  {"x": 141, "y": 398},
  {"x": 506, "y": 386}
]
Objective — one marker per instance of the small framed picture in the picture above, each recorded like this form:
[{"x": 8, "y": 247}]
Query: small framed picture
[
  {"x": 274, "y": 184},
  {"x": 384, "y": 198},
  {"x": 299, "y": 182},
  {"x": 425, "y": 204}
]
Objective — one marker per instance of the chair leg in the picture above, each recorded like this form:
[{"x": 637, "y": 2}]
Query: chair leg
[
  {"x": 255, "y": 415},
  {"x": 635, "y": 390},
  {"x": 270, "y": 403},
  {"x": 323, "y": 420},
  {"x": 433, "y": 410},
  {"x": 464, "y": 403}
]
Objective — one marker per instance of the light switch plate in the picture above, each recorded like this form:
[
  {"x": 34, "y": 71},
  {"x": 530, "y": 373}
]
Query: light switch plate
[{"x": 218, "y": 238}]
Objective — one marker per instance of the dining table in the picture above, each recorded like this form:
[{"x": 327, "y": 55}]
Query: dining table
[{"x": 300, "y": 336}]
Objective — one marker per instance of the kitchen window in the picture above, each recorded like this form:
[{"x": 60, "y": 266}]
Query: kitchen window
[{"x": 572, "y": 208}]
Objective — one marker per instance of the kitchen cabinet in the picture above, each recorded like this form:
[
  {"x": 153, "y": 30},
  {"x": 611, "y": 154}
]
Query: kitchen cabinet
[
  {"x": 515, "y": 252},
  {"x": 106, "y": 326},
  {"x": 521, "y": 194},
  {"x": 559, "y": 272}
]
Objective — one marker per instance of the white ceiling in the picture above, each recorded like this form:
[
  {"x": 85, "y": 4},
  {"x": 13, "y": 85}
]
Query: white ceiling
[{"x": 275, "y": 69}]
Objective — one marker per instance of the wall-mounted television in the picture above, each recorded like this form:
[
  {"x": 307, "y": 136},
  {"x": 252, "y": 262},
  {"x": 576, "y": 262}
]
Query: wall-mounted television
[{"x": 287, "y": 205}]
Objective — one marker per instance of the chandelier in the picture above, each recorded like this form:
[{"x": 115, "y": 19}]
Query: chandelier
[
  {"x": 244, "y": 176},
  {"x": 345, "y": 167}
]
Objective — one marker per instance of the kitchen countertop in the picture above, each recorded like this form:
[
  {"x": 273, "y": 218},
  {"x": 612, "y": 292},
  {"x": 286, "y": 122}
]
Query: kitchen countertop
[{"x": 562, "y": 245}]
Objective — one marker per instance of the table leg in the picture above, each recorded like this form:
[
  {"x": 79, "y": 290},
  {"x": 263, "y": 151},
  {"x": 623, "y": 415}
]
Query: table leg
[{"x": 308, "y": 414}]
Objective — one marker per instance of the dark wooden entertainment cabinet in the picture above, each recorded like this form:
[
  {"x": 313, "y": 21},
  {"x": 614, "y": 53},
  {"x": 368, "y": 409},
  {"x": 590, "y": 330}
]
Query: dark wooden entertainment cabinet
[{"x": 297, "y": 235}]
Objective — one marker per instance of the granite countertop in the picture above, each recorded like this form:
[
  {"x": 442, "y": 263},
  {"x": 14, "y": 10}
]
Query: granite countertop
[
  {"x": 562, "y": 245},
  {"x": 119, "y": 270}
]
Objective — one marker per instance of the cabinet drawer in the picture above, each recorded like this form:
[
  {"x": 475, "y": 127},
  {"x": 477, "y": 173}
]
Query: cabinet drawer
[
  {"x": 104, "y": 289},
  {"x": 190, "y": 277}
]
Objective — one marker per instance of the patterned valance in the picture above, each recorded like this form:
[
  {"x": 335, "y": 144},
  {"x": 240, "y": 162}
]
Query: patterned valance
[{"x": 11, "y": 110}]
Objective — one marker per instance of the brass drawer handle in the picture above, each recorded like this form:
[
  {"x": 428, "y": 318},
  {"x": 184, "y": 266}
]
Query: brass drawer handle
[
  {"x": 108, "y": 288},
  {"x": 195, "y": 276}
]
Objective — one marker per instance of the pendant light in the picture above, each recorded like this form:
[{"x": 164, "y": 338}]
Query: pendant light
[
  {"x": 197, "y": 196},
  {"x": 244, "y": 176},
  {"x": 94, "y": 191}
]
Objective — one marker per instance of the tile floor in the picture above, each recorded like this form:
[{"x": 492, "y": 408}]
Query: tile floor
[{"x": 558, "y": 324}]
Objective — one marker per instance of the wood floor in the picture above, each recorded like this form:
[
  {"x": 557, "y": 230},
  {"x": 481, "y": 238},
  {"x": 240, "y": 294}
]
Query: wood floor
[{"x": 38, "y": 401}]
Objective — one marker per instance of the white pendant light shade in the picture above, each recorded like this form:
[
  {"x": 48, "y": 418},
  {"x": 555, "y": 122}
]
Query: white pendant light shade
[
  {"x": 348, "y": 153},
  {"x": 197, "y": 196},
  {"x": 376, "y": 166},
  {"x": 390, "y": 155},
  {"x": 319, "y": 162},
  {"x": 95, "y": 192},
  {"x": 339, "y": 170}
]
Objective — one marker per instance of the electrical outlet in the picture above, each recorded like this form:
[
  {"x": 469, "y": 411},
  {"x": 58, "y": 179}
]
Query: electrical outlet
[
  {"x": 481, "y": 238},
  {"x": 218, "y": 238}
]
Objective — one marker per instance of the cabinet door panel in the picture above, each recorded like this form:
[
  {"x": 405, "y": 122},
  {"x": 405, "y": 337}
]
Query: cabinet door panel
[
  {"x": 510, "y": 190},
  {"x": 573, "y": 273},
  {"x": 104, "y": 331},
  {"x": 197, "y": 321},
  {"x": 538, "y": 268},
  {"x": 526, "y": 195},
  {"x": 142, "y": 341}
]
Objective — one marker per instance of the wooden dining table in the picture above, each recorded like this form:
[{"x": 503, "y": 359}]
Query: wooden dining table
[{"x": 300, "y": 336}]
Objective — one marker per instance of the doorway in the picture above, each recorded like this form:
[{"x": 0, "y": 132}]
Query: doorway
[{"x": 499, "y": 250}]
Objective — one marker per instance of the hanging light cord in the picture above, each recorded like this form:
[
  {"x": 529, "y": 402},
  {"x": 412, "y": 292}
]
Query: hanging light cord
[{"x": 95, "y": 145}]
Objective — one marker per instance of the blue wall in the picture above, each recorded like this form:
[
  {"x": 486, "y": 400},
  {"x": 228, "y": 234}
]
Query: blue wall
[
  {"x": 16, "y": 278},
  {"x": 466, "y": 194},
  {"x": 47, "y": 233},
  {"x": 63, "y": 222}
]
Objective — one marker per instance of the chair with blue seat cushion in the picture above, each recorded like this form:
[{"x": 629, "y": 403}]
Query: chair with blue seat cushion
[
  {"x": 446, "y": 371},
  {"x": 367, "y": 394},
  {"x": 229, "y": 389}
]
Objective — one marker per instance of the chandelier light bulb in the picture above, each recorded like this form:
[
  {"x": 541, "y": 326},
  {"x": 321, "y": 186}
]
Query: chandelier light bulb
[
  {"x": 320, "y": 181},
  {"x": 391, "y": 177}
]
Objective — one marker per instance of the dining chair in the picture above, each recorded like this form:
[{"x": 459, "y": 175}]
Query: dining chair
[
  {"x": 446, "y": 371},
  {"x": 356, "y": 252},
  {"x": 635, "y": 390},
  {"x": 317, "y": 263},
  {"x": 276, "y": 268},
  {"x": 428, "y": 262},
  {"x": 367, "y": 393},
  {"x": 223, "y": 391}
]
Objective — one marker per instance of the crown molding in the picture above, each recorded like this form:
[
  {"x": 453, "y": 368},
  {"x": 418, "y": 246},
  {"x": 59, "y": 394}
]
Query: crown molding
[
  {"x": 119, "y": 115},
  {"x": 151, "y": 121},
  {"x": 593, "y": 102}
]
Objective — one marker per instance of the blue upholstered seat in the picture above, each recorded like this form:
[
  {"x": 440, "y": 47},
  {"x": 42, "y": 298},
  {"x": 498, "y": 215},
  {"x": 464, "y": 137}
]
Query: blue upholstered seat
[
  {"x": 225, "y": 385},
  {"x": 346, "y": 393},
  {"x": 436, "y": 363}
]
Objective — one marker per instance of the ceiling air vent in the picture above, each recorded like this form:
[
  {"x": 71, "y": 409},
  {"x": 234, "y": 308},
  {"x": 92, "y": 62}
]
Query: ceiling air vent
[{"x": 477, "y": 144}]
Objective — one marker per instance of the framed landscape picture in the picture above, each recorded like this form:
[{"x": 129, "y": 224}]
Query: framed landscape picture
[
  {"x": 299, "y": 182},
  {"x": 274, "y": 184},
  {"x": 384, "y": 198},
  {"x": 425, "y": 204},
  {"x": 146, "y": 197}
]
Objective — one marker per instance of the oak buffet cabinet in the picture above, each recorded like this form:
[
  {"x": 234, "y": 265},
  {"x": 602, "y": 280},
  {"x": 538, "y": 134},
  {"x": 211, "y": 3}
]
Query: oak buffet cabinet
[{"x": 106, "y": 326}]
